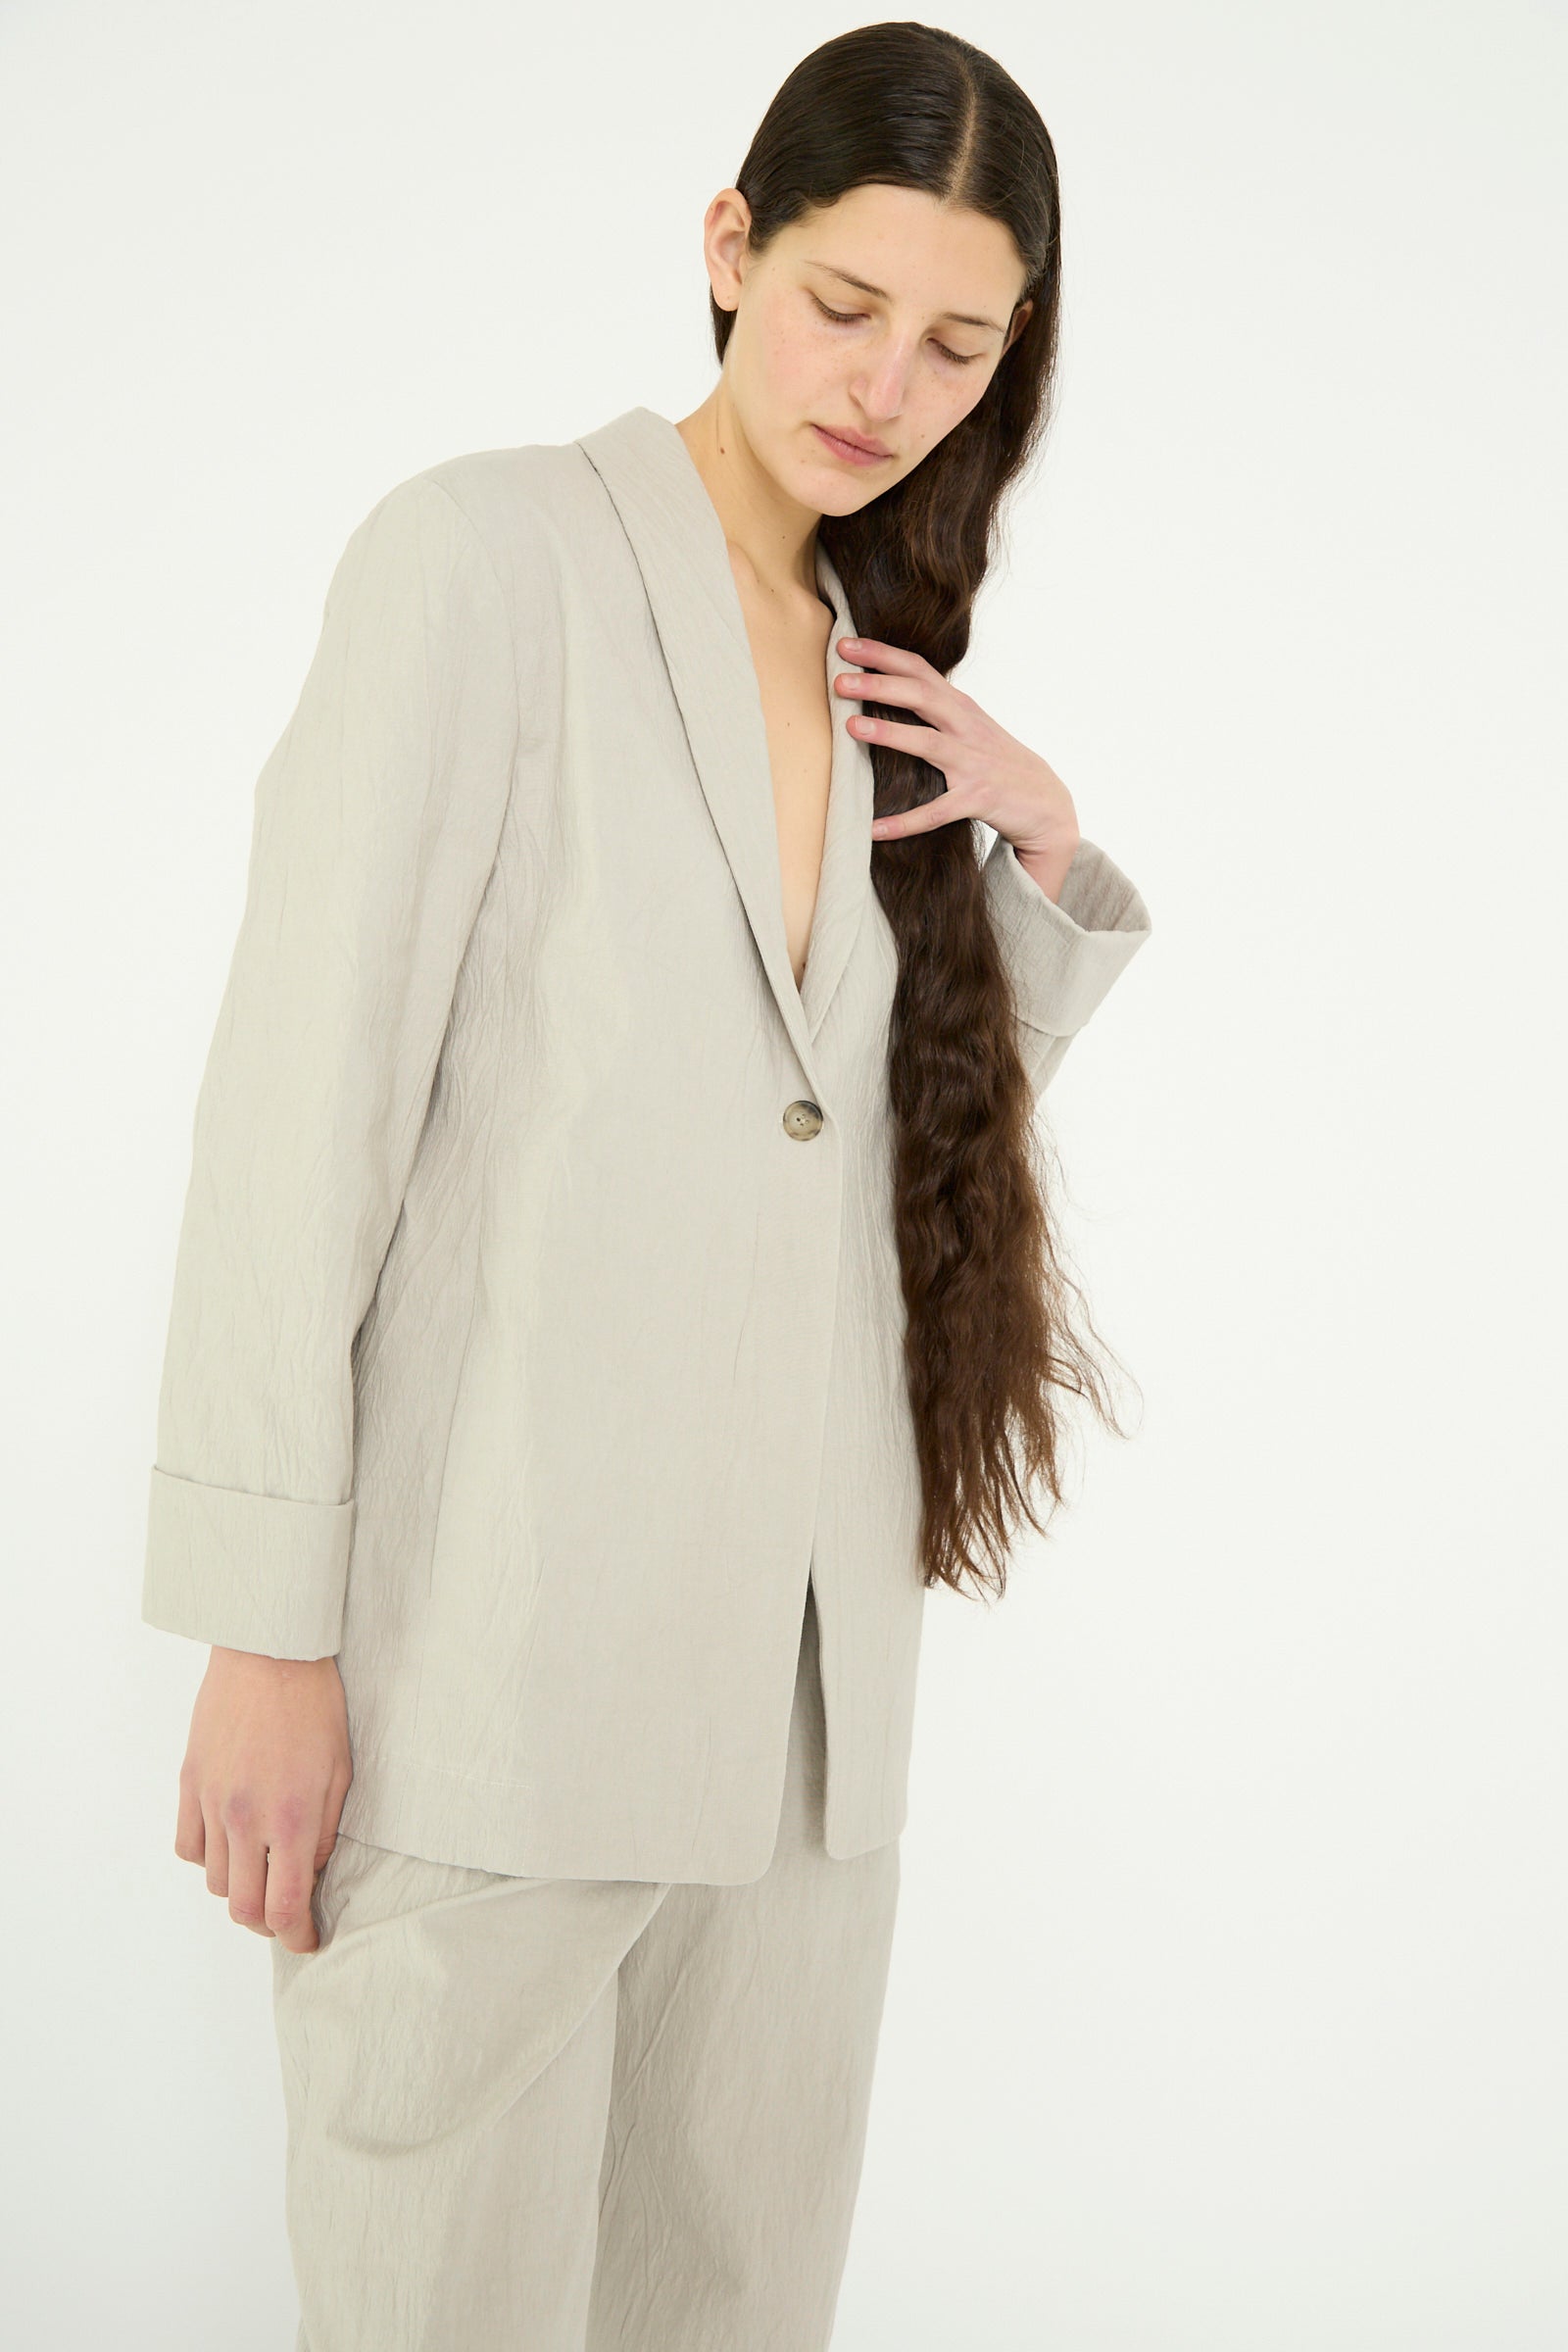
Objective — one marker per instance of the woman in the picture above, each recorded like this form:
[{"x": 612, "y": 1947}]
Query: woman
[{"x": 617, "y": 1278}]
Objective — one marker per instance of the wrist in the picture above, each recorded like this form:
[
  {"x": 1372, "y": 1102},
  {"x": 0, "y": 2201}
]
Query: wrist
[{"x": 1046, "y": 865}]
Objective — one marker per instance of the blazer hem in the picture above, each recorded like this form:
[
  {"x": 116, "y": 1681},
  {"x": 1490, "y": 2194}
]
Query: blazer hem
[{"x": 440, "y": 1815}]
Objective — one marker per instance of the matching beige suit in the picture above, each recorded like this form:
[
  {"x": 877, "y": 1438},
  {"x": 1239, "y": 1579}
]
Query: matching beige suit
[{"x": 536, "y": 1326}]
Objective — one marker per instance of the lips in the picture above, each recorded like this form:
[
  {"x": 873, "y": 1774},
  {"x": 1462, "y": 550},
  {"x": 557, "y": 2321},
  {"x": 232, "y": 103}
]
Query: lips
[{"x": 853, "y": 444}]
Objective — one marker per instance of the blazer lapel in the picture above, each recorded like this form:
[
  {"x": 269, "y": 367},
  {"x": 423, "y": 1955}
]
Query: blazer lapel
[
  {"x": 845, "y": 884},
  {"x": 678, "y": 542}
]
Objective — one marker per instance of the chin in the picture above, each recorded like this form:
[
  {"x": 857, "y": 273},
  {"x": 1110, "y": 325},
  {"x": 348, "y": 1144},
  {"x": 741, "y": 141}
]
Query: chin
[
  {"x": 831, "y": 486},
  {"x": 838, "y": 498}
]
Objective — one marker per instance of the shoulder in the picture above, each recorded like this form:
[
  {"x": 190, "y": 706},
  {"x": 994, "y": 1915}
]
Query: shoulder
[
  {"x": 521, "y": 505},
  {"x": 495, "y": 526}
]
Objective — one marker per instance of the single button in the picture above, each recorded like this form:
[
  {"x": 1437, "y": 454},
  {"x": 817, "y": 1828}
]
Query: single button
[{"x": 803, "y": 1120}]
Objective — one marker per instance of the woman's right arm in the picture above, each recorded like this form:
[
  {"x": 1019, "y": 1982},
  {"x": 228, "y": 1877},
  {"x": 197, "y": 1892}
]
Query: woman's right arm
[{"x": 377, "y": 817}]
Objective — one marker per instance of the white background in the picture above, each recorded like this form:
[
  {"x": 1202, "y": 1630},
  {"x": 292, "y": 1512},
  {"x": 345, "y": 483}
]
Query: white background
[{"x": 1227, "y": 2008}]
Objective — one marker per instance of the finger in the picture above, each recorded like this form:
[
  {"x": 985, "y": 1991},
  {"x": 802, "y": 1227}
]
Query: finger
[
  {"x": 190, "y": 1830},
  {"x": 337, "y": 1790},
  {"x": 931, "y": 743},
  {"x": 944, "y": 809},
  {"x": 874, "y": 653},
  {"x": 247, "y": 1883},
  {"x": 216, "y": 1850},
  {"x": 902, "y": 693},
  {"x": 291, "y": 1870}
]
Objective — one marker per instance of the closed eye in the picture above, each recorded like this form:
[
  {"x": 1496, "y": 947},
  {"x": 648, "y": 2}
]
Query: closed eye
[{"x": 960, "y": 358}]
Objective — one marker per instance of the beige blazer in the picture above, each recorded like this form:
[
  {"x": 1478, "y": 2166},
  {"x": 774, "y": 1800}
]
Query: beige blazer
[{"x": 536, "y": 1316}]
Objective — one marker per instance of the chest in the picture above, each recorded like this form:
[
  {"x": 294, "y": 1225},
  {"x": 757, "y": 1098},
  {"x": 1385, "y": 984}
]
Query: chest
[{"x": 789, "y": 652}]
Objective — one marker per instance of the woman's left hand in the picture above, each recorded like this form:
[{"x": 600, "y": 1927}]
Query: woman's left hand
[{"x": 990, "y": 775}]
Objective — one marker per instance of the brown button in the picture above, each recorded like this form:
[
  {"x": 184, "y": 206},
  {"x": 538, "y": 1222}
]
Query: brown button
[{"x": 803, "y": 1120}]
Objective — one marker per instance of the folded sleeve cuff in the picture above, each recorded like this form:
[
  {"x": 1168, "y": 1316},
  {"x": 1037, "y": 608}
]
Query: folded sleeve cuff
[
  {"x": 244, "y": 1571},
  {"x": 1064, "y": 955}
]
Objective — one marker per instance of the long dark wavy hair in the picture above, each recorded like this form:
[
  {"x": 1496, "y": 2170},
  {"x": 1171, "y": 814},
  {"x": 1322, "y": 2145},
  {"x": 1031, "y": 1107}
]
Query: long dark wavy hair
[{"x": 989, "y": 1337}]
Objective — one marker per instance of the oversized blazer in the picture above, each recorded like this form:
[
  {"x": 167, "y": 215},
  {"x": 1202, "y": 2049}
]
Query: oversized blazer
[{"x": 537, "y": 1323}]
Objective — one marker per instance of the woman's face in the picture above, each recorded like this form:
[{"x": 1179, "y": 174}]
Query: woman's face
[{"x": 882, "y": 316}]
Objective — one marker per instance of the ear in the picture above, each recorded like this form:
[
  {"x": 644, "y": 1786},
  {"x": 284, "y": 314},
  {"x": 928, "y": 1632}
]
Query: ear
[
  {"x": 1017, "y": 325},
  {"x": 726, "y": 225}
]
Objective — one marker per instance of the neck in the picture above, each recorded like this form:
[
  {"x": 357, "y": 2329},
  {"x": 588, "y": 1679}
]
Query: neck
[{"x": 772, "y": 535}]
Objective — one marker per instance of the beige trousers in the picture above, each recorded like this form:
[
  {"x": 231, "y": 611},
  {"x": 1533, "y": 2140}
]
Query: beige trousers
[{"x": 570, "y": 2114}]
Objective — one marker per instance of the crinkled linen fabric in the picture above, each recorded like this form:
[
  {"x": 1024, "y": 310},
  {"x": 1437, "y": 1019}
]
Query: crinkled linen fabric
[
  {"x": 567, "y": 2115},
  {"x": 506, "y": 1237}
]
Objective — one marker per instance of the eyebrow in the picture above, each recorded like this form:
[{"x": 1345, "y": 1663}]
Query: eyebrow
[{"x": 960, "y": 318}]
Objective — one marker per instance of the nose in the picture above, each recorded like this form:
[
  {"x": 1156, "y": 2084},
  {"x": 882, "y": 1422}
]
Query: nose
[{"x": 882, "y": 389}]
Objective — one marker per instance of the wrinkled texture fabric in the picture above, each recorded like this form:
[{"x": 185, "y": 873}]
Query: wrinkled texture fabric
[
  {"x": 535, "y": 2115},
  {"x": 522, "y": 1353}
]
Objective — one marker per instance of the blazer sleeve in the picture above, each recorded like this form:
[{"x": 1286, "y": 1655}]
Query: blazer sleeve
[
  {"x": 376, "y": 822},
  {"x": 1061, "y": 955}
]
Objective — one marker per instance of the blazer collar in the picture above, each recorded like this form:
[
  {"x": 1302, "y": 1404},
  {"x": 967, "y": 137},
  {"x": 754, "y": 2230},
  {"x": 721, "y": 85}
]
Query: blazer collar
[{"x": 678, "y": 541}]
